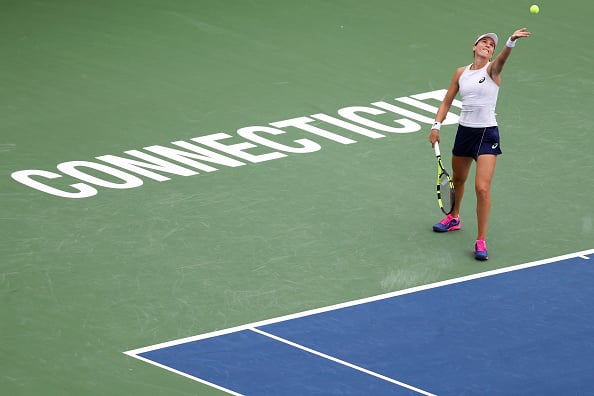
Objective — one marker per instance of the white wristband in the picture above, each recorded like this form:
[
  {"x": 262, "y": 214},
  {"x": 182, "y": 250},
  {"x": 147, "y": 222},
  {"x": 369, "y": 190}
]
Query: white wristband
[
  {"x": 510, "y": 43},
  {"x": 436, "y": 125}
]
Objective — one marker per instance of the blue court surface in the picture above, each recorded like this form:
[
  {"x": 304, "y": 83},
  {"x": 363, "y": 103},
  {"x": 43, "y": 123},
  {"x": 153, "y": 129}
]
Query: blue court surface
[{"x": 521, "y": 330}]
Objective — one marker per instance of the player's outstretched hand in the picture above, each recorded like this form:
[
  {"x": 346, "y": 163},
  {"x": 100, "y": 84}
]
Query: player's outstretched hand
[{"x": 520, "y": 33}]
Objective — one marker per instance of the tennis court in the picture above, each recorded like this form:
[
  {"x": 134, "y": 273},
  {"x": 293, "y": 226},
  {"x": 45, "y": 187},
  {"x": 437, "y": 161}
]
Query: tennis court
[
  {"x": 193, "y": 170},
  {"x": 522, "y": 330}
]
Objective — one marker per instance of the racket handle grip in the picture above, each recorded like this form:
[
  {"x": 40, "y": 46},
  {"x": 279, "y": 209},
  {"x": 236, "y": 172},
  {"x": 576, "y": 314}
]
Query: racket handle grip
[{"x": 436, "y": 147}]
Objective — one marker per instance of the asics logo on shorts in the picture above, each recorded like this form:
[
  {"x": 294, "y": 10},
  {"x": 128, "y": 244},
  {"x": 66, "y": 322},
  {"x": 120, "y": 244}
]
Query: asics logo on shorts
[{"x": 495, "y": 146}]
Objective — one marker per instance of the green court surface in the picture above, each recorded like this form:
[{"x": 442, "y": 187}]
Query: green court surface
[{"x": 84, "y": 279}]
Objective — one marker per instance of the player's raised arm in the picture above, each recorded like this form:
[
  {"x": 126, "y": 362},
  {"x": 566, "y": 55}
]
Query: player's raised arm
[{"x": 497, "y": 65}]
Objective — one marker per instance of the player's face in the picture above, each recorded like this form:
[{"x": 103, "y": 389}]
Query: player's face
[{"x": 485, "y": 47}]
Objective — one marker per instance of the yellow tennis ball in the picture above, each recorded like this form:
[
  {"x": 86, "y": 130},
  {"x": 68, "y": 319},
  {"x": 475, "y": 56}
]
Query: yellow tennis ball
[{"x": 534, "y": 9}]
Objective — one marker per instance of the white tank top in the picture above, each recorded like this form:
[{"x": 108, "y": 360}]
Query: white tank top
[{"x": 479, "y": 98}]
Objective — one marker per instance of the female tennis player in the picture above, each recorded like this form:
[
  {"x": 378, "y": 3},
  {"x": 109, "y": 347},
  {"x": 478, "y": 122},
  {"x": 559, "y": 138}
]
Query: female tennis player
[{"x": 477, "y": 137}]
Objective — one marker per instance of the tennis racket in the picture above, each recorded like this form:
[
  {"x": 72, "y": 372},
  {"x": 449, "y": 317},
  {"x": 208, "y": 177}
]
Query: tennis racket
[{"x": 446, "y": 196}]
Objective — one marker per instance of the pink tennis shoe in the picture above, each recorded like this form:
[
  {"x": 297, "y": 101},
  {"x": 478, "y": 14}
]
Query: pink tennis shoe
[{"x": 449, "y": 223}]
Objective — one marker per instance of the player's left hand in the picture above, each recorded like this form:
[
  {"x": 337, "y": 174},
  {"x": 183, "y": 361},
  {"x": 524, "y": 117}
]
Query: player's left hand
[{"x": 520, "y": 33}]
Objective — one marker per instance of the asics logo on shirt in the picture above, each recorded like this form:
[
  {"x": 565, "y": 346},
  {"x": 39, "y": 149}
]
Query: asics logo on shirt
[
  {"x": 482, "y": 80},
  {"x": 495, "y": 146}
]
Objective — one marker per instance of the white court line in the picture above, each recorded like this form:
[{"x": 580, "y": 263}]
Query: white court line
[
  {"x": 135, "y": 352},
  {"x": 187, "y": 375},
  {"x": 344, "y": 363}
]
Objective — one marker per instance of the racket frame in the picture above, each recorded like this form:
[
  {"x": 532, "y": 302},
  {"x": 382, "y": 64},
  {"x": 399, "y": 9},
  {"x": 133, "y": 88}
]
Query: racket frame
[{"x": 441, "y": 173}]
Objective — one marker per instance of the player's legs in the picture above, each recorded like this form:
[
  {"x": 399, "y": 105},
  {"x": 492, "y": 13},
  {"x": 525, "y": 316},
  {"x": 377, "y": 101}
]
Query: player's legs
[
  {"x": 460, "y": 170},
  {"x": 485, "y": 168}
]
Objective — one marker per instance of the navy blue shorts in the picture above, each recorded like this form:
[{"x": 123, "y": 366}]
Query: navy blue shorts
[{"x": 472, "y": 142}]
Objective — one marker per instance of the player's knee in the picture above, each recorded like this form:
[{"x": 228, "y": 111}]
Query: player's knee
[
  {"x": 483, "y": 191},
  {"x": 457, "y": 179}
]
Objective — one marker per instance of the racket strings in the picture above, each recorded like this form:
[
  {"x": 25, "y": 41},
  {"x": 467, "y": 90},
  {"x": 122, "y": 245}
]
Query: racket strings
[{"x": 447, "y": 198}]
